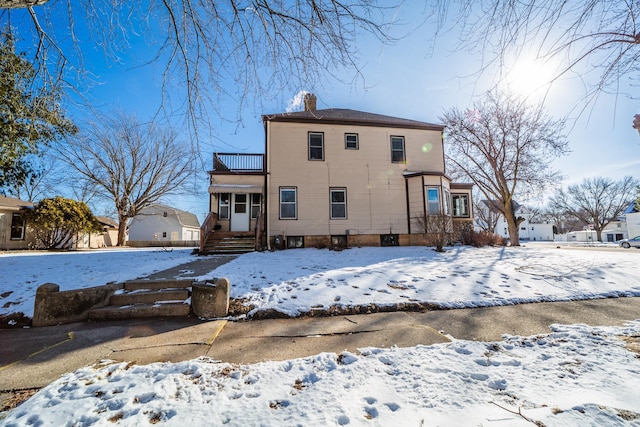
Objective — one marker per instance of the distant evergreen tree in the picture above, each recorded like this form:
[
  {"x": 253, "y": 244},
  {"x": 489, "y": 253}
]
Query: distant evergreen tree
[{"x": 59, "y": 222}]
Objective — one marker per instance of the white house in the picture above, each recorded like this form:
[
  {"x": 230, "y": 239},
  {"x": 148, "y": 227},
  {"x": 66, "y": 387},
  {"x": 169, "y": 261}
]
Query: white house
[
  {"x": 632, "y": 217},
  {"x": 528, "y": 231},
  {"x": 160, "y": 223}
]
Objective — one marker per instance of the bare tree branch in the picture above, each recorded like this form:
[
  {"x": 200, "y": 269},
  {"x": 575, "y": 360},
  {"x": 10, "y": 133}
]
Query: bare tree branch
[
  {"x": 131, "y": 164},
  {"x": 505, "y": 147}
]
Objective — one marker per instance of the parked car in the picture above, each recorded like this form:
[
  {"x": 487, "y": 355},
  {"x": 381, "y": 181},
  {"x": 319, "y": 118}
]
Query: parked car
[{"x": 627, "y": 243}]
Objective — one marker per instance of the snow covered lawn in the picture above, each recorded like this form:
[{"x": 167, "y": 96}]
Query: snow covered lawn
[
  {"x": 22, "y": 272},
  {"x": 301, "y": 280},
  {"x": 575, "y": 376}
]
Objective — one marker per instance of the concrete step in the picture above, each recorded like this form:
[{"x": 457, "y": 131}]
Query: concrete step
[
  {"x": 149, "y": 297},
  {"x": 135, "y": 285},
  {"x": 169, "y": 309}
]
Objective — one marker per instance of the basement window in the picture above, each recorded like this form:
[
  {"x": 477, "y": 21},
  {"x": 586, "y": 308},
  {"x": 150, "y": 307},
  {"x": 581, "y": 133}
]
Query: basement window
[{"x": 294, "y": 242}]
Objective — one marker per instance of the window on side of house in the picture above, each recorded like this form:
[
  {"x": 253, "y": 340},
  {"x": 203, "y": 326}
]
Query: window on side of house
[
  {"x": 447, "y": 201},
  {"x": 288, "y": 203},
  {"x": 351, "y": 141},
  {"x": 316, "y": 146},
  {"x": 397, "y": 150},
  {"x": 460, "y": 205},
  {"x": 255, "y": 205},
  {"x": 223, "y": 205},
  {"x": 338, "y": 199},
  {"x": 17, "y": 227},
  {"x": 433, "y": 201}
]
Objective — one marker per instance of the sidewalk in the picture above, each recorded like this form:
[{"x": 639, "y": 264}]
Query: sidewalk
[{"x": 33, "y": 358}]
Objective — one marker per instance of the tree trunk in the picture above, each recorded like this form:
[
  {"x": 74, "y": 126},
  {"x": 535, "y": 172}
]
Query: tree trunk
[
  {"x": 513, "y": 225},
  {"x": 122, "y": 229},
  {"x": 599, "y": 234}
]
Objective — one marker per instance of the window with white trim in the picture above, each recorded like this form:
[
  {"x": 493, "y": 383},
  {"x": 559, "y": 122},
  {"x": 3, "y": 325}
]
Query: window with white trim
[
  {"x": 288, "y": 203},
  {"x": 223, "y": 205},
  {"x": 433, "y": 201},
  {"x": 17, "y": 227},
  {"x": 447, "y": 201},
  {"x": 316, "y": 146},
  {"x": 351, "y": 141},
  {"x": 460, "y": 205},
  {"x": 338, "y": 200},
  {"x": 255, "y": 205},
  {"x": 397, "y": 150}
]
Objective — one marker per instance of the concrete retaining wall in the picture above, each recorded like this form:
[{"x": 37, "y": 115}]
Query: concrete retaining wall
[
  {"x": 53, "y": 307},
  {"x": 163, "y": 243}
]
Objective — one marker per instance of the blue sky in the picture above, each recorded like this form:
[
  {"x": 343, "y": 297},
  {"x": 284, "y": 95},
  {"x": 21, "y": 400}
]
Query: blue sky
[{"x": 414, "y": 78}]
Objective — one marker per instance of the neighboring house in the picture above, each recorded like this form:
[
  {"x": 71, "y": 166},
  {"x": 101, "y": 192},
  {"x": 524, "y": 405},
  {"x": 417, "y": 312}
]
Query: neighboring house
[
  {"x": 14, "y": 233},
  {"x": 632, "y": 217},
  {"x": 336, "y": 177},
  {"x": 160, "y": 223},
  {"x": 614, "y": 231},
  {"x": 108, "y": 236},
  {"x": 529, "y": 231}
]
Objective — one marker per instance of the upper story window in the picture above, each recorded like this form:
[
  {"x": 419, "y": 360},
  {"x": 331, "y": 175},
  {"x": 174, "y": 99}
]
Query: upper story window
[
  {"x": 338, "y": 203},
  {"x": 433, "y": 201},
  {"x": 397, "y": 150},
  {"x": 223, "y": 206},
  {"x": 316, "y": 146},
  {"x": 17, "y": 227},
  {"x": 351, "y": 141},
  {"x": 288, "y": 203},
  {"x": 460, "y": 205}
]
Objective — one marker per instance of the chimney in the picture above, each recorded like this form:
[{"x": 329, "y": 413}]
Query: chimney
[{"x": 309, "y": 102}]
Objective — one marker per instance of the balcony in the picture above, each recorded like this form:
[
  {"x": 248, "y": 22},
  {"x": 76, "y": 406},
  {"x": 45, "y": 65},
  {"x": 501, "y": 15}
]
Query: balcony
[{"x": 238, "y": 163}]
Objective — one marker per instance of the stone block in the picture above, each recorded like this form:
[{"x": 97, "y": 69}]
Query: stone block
[
  {"x": 210, "y": 300},
  {"x": 53, "y": 307}
]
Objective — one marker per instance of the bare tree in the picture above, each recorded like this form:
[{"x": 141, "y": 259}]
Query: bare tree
[
  {"x": 208, "y": 49},
  {"x": 563, "y": 222},
  {"x": 597, "y": 201},
  {"x": 486, "y": 217},
  {"x": 129, "y": 163},
  {"x": 437, "y": 229},
  {"x": 505, "y": 147},
  {"x": 602, "y": 35}
]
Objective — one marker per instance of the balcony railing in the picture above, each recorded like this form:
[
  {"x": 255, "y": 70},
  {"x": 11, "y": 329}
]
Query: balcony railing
[{"x": 238, "y": 162}]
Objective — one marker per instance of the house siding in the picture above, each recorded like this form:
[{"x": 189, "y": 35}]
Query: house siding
[
  {"x": 376, "y": 192},
  {"x": 152, "y": 225}
]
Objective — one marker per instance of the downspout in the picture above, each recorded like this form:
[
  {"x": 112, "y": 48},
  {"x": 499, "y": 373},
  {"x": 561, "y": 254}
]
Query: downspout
[
  {"x": 406, "y": 191},
  {"x": 266, "y": 188},
  {"x": 424, "y": 198}
]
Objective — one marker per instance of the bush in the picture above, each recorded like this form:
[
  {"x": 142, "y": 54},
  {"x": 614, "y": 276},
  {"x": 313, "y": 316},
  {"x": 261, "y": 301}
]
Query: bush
[{"x": 484, "y": 238}]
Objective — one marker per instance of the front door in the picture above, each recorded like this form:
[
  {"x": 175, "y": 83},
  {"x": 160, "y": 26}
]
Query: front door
[{"x": 239, "y": 212}]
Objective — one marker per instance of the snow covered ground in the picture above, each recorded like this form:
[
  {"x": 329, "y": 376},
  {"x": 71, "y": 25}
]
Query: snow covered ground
[
  {"x": 577, "y": 375},
  {"x": 22, "y": 272}
]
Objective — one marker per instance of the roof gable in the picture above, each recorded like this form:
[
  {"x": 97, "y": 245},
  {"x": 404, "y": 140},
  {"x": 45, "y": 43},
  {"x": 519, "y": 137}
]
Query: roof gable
[
  {"x": 352, "y": 117},
  {"x": 185, "y": 218}
]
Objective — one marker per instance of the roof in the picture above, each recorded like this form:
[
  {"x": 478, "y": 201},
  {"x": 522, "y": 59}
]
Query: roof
[
  {"x": 12, "y": 204},
  {"x": 633, "y": 208},
  {"x": 351, "y": 117},
  {"x": 185, "y": 218},
  {"x": 109, "y": 222},
  {"x": 461, "y": 186}
]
